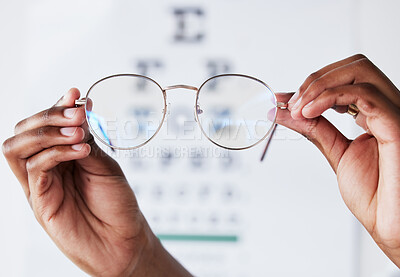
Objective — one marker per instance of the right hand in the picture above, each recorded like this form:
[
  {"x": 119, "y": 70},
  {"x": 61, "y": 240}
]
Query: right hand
[
  {"x": 368, "y": 167},
  {"x": 81, "y": 197}
]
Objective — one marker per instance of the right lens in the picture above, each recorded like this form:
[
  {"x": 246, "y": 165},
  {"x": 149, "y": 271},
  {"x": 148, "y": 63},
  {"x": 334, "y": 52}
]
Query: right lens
[
  {"x": 125, "y": 111},
  {"x": 233, "y": 109}
]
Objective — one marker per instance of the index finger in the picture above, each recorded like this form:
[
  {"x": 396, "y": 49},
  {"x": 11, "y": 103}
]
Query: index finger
[
  {"x": 63, "y": 113},
  {"x": 318, "y": 74},
  {"x": 68, "y": 100}
]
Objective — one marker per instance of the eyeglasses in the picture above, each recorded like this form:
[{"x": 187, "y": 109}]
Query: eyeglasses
[{"x": 233, "y": 111}]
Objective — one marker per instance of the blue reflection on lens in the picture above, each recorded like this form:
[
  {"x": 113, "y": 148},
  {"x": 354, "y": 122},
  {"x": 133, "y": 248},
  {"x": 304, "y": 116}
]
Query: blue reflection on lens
[{"x": 97, "y": 120}]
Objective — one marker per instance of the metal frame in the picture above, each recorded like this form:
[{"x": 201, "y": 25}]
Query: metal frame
[
  {"x": 235, "y": 75},
  {"x": 279, "y": 105}
]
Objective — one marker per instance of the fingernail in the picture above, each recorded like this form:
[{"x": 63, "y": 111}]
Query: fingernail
[
  {"x": 297, "y": 104},
  {"x": 78, "y": 147},
  {"x": 271, "y": 114},
  {"x": 308, "y": 105},
  {"x": 294, "y": 97},
  {"x": 68, "y": 131},
  {"x": 69, "y": 113}
]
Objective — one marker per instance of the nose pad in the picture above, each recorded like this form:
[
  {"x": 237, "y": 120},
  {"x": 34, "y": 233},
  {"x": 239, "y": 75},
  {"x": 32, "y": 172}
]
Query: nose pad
[{"x": 198, "y": 110}]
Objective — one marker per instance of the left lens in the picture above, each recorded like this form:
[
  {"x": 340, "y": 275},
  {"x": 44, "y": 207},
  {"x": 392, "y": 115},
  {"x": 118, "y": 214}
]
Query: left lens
[
  {"x": 125, "y": 111},
  {"x": 233, "y": 110}
]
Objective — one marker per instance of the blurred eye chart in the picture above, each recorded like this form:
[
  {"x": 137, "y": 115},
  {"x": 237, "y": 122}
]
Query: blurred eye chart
[{"x": 219, "y": 212}]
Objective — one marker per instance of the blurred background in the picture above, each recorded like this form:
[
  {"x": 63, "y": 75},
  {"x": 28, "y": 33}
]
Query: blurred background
[{"x": 219, "y": 213}]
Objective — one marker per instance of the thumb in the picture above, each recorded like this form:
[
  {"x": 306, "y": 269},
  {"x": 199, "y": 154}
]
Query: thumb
[
  {"x": 329, "y": 140},
  {"x": 99, "y": 162}
]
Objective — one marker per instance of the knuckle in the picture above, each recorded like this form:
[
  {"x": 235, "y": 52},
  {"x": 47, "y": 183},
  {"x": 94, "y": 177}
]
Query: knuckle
[
  {"x": 310, "y": 129},
  {"x": 309, "y": 80},
  {"x": 302, "y": 88},
  {"x": 19, "y": 126},
  {"x": 367, "y": 88},
  {"x": 318, "y": 85},
  {"x": 54, "y": 152},
  {"x": 30, "y": 165},
  {"x": 42, "y": 132},
  {"x": 359, "y": 56},
  {"x": 312, "y": 77},
  {"x": 365, "y": 93},
  {"x": 7, "y": 147},
  {"x": 48, "y": 114},
  {"x": 45, "y": 115},
  {"x": 363, "y": 64},
  {"x": 367, "y": 106}
]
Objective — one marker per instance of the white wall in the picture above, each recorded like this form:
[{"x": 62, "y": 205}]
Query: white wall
[{"x": 47, "y": 47}]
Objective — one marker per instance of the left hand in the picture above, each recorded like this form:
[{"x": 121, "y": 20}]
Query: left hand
[
  {"x": 367, "y": 168},
  {"x": 81, "y": 197}
]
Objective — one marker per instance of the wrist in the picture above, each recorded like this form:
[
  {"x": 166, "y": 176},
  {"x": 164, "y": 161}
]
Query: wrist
[
  {"x": 392, "y": 253},
  {"x": 155, "y": 260}
]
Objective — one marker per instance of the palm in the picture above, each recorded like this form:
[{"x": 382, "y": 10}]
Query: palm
[
  {"x": 357, "y": 174},
  {"x": 96, "y": 209}
]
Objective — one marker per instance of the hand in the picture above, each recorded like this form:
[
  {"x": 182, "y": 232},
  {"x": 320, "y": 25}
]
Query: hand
[
  {"x": 367, "y": 168},
  {"x": 81, "y": 197}
]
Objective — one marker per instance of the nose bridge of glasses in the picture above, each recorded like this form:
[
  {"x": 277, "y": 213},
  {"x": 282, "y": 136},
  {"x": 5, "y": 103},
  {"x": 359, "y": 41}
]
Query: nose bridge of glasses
[
  {"x": 181, "y": 86},
  {"x": 195, "y": 89}
]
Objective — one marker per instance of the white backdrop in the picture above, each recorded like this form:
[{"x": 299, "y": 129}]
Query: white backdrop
[{"x": 288, "y": 213}]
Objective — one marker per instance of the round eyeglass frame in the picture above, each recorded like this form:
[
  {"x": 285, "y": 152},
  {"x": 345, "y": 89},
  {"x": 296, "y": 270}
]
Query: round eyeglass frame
[{"x": 83, "y": 101}]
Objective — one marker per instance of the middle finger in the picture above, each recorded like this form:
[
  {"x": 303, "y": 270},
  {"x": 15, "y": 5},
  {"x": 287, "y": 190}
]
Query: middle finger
[
  {"x": 54, "y": 116},
  {"x": 33, "y": 141}
]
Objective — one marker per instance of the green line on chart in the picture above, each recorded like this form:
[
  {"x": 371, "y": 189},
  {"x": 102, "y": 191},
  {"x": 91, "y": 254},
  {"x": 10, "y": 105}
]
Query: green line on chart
[{"x": 193, "y": 237}]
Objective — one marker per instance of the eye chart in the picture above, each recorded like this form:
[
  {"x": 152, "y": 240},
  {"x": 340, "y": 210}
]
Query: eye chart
[{"x": 220, "y": 213}]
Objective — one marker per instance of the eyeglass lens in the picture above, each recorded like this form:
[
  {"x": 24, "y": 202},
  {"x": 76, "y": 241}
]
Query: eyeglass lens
[
  {"x": 126, "y": 111},
  {"x": 233, "y": 110}
]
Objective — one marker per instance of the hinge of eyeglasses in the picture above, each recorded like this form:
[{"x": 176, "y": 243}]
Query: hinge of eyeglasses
[
  {"x": 282, "y": 105},
  {"x": 80, "y": 102}
]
